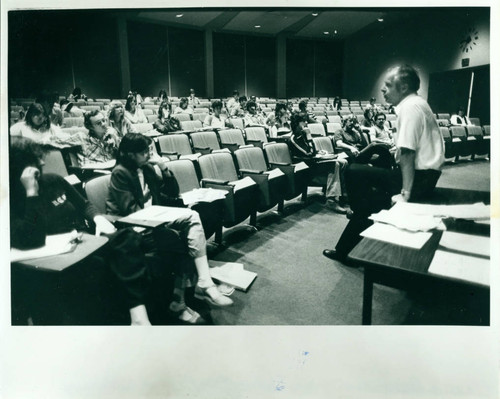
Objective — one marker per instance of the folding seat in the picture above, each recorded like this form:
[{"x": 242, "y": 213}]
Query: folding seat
[
  {"x": 105, "y": 101},
  {"x": 344, "y": 112},
  {"x": 359, "y": 117},
  {"x": 272, "y": 184},
  {"x": 16, "y": 108},
  {"x": 200, "y": 116},
  {"x": 148, "y": 111},
  {"x": 329, "y": 113},
  {"x": 324, "y": 144},
  {"x": 443, "y": 122},
  {"x": 475, "y": 121},
  {"x": 332, "y": 127},
  {"x": 15, "y": 116},
  {"x": 256, "y": 136},
  {"x": 278, "y": 156},
  {"x": 319, "y": 114},
  {"x": 182, "y": 117},
  {"x": 443, "y": 116},
  {"x": 176, "y": 146},
  {"x": 316, "y": 129},
  {"x": 200, "y": 110},
  {"x": 73, "y": 121},
  {"x": 481, "y": 146},
  {"x": 96, "y": 191},
  {"x": 231, "y": 139},
  {"x": 391, "y": 118},
  {"x": 335, "y": 118},
  {"x": 152, "y": 118},
  {"x": 75, "y": 129},
  {"x": 54, "y": 163},
  {"x": 218, "y": 171},
  {"x": 464, "y": 147},
  {"x": 358, "y": 113},
  {"x": 450, "y": 147},
  {"x": 143, "y": 127},
  {"x": 205, "y": 142},
  {"x": 238, "y": 123},
  {"x": 322, "y": 100},
  {"x": 189, "y": 126},
  {"x": 89, "y": 108},
  {"x": 150, "y": 106},
  {"x": 211, "y": 213},
  {"x": 99, "y": 104},
  {"x": 205, "y": 104}
]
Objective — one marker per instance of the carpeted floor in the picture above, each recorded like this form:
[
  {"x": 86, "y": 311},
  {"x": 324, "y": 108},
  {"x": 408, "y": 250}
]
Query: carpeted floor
[{"x": 296, "y": 285}]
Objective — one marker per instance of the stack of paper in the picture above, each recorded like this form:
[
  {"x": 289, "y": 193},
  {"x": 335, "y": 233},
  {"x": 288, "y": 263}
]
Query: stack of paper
[
  {"x": 202, "y": 195},
  {"x": 476, "y": 211},
  {"x": 468, "y": 268},
  {"x": 393, "y": 235},
  {"x": 407, "y": 221},
  {"x": 232, "y": 274}
]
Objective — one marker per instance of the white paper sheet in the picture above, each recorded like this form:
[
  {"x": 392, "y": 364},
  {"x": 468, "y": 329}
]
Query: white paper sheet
[
  {"x": 462, "y": 211},
  {"x": 54, "y": 245},
  {"x": 407, "y": 221},
  {"x": 393, "y": 235},
  {"x": 159, "y": 213},
  {"x": 202, "y": 195},
  {"x": 463, "y": 267},
  {"x": 232, "y": 273},
  {"x": 466, "y": 243}
]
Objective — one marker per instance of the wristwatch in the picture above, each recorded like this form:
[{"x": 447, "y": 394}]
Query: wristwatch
[{"x": 405, "y": 194}]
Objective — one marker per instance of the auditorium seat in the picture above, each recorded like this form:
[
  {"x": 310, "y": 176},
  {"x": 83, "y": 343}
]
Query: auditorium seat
[
  {"x": 344, "y": 112},
  {"x": 231, "y": 139},
  {"x": 176, "y": 146},
  {"x": 218, "y": 171},
  {"x": 332, "y": 127},
  {"x": 200, "y": 116},
  {"x": 278, "y": 156},
  {"x": 334, "y": 118},
  {"x": 89, "y": 108},
  {"x": 450, "y": 149},
  {"x": 443, "y": 122},
  {"x": 148, "y": 111},
  {"x": 443, "y": 116},
  {"x": 143, "y": 127},
  {"x": 316, "y": 129},
  {"x": 189, "y": 126},
  {"x": 205, "y": 142},
  {"x": 475, "y": 121},
  {"x": 201, "y": 110},
  {"x": 152, "y": 118},
  {"x": 464, "y": 148},
  {"x": 272, "y": 183},
  {"x": 481, "y": 146},
  {"x": 182, "y": 117},
  {"x": 211, "y": 213},
  {"x": 256, "y": 136},
  {"x": 73, "y": 121},
  {"x": 324, "y": 144},
  {"x": 238, "y": 123}
]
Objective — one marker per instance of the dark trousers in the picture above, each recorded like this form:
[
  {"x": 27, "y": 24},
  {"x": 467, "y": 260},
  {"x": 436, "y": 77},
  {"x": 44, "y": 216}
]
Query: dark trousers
[{"x": 370, "y": 190}]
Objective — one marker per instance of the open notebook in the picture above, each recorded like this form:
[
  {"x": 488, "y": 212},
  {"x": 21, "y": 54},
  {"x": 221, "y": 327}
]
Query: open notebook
[{"x": 232, "y": 273}]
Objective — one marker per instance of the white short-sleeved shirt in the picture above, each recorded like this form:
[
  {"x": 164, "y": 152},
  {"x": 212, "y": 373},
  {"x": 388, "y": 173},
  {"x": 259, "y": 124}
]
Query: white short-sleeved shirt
[{"x": 417, "y": 130}]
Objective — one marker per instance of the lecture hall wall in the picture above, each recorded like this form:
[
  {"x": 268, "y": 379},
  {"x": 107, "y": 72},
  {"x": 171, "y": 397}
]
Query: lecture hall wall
[{"x": 430, "y": 43}]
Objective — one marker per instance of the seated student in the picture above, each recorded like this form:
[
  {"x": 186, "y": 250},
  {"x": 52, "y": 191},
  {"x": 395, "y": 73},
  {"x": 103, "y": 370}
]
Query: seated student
[
  {"x": 184, "y": 108},
  {"x": 166, "y": 123},
  {"x": 45, "y": 204},
  {"x": 368, "y": 121},
  {"x": 238, "y": 111},
  {"x": 49, "y": 101},
  {"x": 117, "y": 120},
  {"x": 232, "y": 102},
  {"x": 69, "y": 109},
  {"x": 252, "y": 117},
  {"x": 137, "y": 97},
  {"x": 77, "y": 94},
  {"x": 380, "y": 132},
  {"x": 354, "y": 144},
  {"x": 133, "y": 112},
  {"x": 460, "y": 119},
  {"x": 309, "y": 117},
  {"x": 135, "y": 184},
  {"x": 216, "y": 119},
  {"x": 100, "y": 144},
  {"x": 303, "y": 149},
  {"x": 38, "y": 127},
  {"x": 193, "y": 101},
  {"x": 281, "y": 125},
  {"x": 337, "y": 103}
]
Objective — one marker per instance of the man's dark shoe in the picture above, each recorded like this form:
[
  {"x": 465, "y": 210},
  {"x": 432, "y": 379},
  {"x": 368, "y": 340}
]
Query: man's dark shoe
[{"x": 332, "y": 254}]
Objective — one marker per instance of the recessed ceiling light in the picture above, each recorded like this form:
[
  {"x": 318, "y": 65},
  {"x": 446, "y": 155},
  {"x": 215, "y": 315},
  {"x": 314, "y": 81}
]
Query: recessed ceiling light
[
  {"x": 179, "y": 15},
  {"x": 335, "y": 31},
  {"x": 257, "y": 26},
  {"x": 314, "y": 14},
  {"x": 380, "y": 19},
  {"x": 326, "y": 33}
]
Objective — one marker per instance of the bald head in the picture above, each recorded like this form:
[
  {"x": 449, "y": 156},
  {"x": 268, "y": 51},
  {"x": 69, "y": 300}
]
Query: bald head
[{"x": 400, "y": 82}]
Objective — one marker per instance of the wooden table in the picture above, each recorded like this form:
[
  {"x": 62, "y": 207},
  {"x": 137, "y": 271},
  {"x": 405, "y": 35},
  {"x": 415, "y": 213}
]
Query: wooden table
[{"x": 403, "y": 268}]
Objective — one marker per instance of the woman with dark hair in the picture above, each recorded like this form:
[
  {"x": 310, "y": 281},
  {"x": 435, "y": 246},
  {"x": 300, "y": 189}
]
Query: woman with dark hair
[
  {"x": 281, "y": 124},
  {"x": 37, "y": 126},
  {"x": 337, "y": 104},
  {"x": 166, "y": 123},
  {"x": 133, "y": 112},
  {"x": 162, "y": 96},
  {"x": 320, "y": 162},
  {"x": 184, "y": 108},
  {"x": 137, "y": 184},
  {"x": 45, "y": 204},
  {"x": 216, "y": 119},
  {"x": 368, "y": 121},
  {"x": 77, "y": 94},
  {"x": 117, "y": 120}
]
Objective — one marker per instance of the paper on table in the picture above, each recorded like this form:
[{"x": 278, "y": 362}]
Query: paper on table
[
  {"x": 407, "y": 221},
  {"x": 466, "y": 243},
  {"x": 100, "y": 165},
  {"x": 202, "y": 195},
  {"x": 393, "y": 235},
  {"x": 232, "y": 273},
  {"x": 463, "y": 211},
  {"x": 463, "y": 267},
  {"x": 54, "y": 245},
  {"x": 159, "y": 213}
]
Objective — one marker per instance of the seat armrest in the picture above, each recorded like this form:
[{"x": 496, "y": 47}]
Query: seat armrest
[
  {"x": 221, "y": 150},
  {"x": 203, "y": 150},
  {"x": 252, "y": 171},
  {"x": 255, "y": 143},
  {"x": 230, "y": 146},
  {"x": 215, "y": 181},
  {"x": 278, "y": 164}
]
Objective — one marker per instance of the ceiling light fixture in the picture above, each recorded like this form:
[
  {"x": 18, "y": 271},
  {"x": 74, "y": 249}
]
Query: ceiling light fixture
[
  {"x": 380, "y": 19},
  {"x": 314, "y": 14},
  {"x": 257, "y": 26},
  {"x": 179, "y": 15},
  {"x": 335, "y": 31},
  {"x": 326, "y": 33}
]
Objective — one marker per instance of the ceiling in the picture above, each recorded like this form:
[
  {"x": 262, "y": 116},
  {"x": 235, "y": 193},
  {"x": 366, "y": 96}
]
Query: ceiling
[{"x": 334, "y": 24}]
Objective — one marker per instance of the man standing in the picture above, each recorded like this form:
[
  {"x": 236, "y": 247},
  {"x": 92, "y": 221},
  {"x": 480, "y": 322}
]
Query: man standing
[{"x": 419, "y": 155}]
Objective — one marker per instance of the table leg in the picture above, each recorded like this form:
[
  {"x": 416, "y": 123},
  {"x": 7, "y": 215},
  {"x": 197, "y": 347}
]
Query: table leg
[{"x": 367, "y": 298}]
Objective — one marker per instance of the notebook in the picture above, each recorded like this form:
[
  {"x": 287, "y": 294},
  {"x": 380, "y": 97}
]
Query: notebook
[{"x": 232, "y": 273}]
